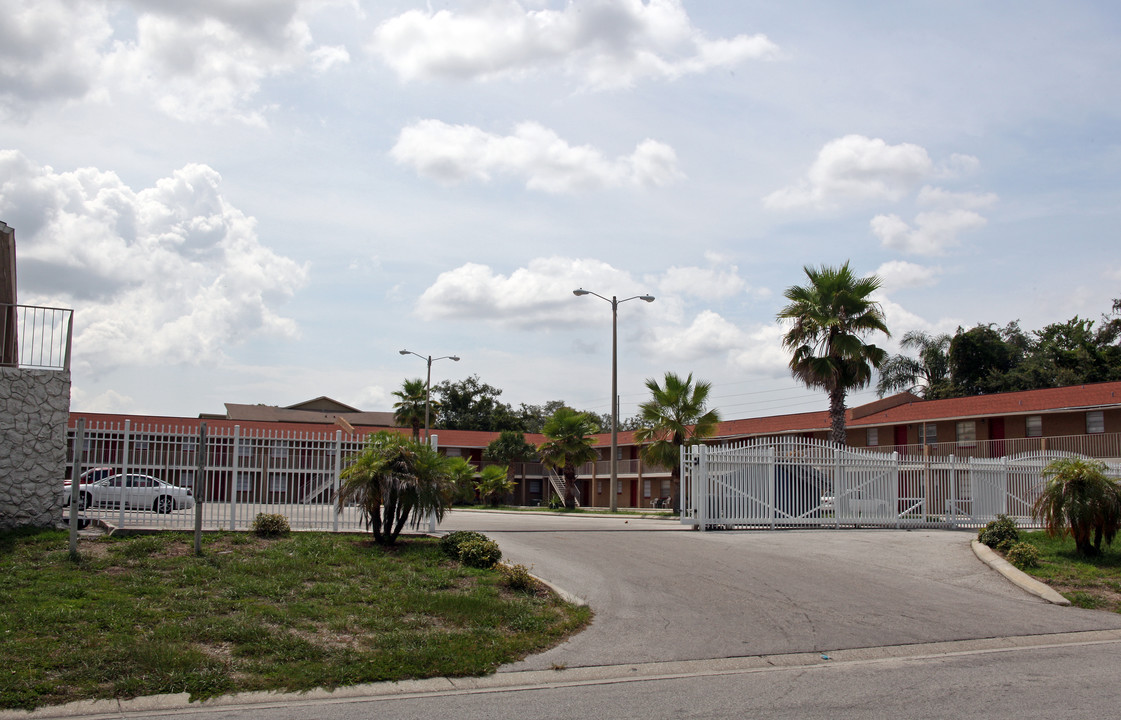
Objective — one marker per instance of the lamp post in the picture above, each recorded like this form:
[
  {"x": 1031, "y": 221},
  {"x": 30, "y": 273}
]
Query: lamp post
[
  {"x": 428, "y": 384},
  {"x": 613, "y": 489}
]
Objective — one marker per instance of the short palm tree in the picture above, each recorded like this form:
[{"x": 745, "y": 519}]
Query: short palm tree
[
  {"x": 1079, "y": 498},
  {"x": 393, "y": 480},
  {"x": 494, "y": 484},
  {"x": 674, "y": 416},
  {"x": 829, "y": 319},
  {"x": 568, "y": 446},
  {"x": 409, "y": 409}
]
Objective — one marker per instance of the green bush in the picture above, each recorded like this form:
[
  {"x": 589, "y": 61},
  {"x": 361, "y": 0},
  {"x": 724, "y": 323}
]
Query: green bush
[
  {"x": 270, "y": 525},
  {"x": 1023, "y": 555},
  {"x": 479, "y": 553},
  {"x": 451, "y": 542},
  {"x": 517, "y": 577},
  {"x": 1000, "y": 534}
]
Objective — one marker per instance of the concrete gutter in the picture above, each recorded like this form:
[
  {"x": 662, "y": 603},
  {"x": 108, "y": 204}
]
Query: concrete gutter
[{"x": 986, "y": 555}]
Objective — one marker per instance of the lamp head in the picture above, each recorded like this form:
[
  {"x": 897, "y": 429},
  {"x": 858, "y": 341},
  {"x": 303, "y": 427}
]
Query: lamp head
[
  {"x": 454, "y": 357},
  {"x": 404, "y": 352},
  {"x": 581, "y": 291},
  {"x": 647, "y": 298}
]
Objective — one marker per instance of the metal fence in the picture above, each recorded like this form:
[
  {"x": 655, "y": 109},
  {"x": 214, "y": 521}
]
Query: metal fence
[
  {"x": 797, "y": 482},
  {"x": 36, "y": 338},
  {"x": 238, "y": 473}
]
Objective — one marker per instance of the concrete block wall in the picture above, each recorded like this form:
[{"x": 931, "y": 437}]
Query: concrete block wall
[{"x": 34, "y": 410}]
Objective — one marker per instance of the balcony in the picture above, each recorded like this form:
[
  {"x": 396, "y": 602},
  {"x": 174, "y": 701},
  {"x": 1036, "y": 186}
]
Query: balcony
[{"x": 35, "y": 338}]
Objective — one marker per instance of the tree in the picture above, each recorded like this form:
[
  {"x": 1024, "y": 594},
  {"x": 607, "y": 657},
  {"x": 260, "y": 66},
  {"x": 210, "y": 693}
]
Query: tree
[
  {"x": 1079, "y": 498},
  {"x": 461, "y": 475},
  {"x": 393, "y": 480},
  {"x": 508, "y": 448},
  {"x": 471, "y": 404},
  {"x": 494, "y": 483},
  {"x": 980, "y": 360},
  {"x": 534, "y": 417},
  {"x": 408, "y": 411},
  {"x": 568, "y": 446},
  {"x": 829, "y": 319},
  {"x": 930, "y": 370},
  {"x": 675, "y": 415}
]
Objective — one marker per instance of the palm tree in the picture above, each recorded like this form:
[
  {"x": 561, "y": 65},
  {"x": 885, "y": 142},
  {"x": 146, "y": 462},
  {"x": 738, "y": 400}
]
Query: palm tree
[
  {"x": 829, "y": 319},
  {"x": 392, "y": 480},
  {"x": 569, "y": 445},
  {"x": 494, "y": 484},
  {"x": 931, "y": 369},
  {"x": 675, "y": 415},
  {"x": 1079, "y": 498},
  {"x": 408, "y": 411}
]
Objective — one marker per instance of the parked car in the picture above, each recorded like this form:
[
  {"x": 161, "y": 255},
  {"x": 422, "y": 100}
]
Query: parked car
[{"x": 139, "y": 492}]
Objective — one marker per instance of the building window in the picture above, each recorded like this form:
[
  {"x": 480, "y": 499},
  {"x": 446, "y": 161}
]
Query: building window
[
  {"x": 665, "y": 488},
  {"x": 599, "y": 487},
  {"x": 279, "y": 449},
  {"x": 244, "y": 482},
  {"x": 967, "y": 431},
  {"x": 1033, "y": 426},
  {"x": 245, "y": 450},
  {"x": 277, "y": 483},
  {"x": 873, "y": 437},
  {"x": 929, "y": 433},
  {"x": 646, "y": 488},
  {"x": 1095, "y": 421},
  {"x": 534, "y": 487}
]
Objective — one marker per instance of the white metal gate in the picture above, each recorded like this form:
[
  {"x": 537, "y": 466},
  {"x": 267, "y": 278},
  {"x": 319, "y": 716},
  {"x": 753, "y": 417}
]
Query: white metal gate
[{"x": 799, "y": 482}]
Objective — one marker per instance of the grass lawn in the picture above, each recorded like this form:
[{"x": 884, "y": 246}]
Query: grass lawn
[
  {"x": 1087, "y": 582},
  {"x": 143, "y": 615}
]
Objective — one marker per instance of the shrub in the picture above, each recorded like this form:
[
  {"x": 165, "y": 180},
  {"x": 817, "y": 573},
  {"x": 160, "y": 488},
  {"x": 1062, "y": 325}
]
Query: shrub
[
  {"x": 451, "y": 542},
  {"x": 270, "y": 525},
  {"x": 479, "y": 553},
  {"x": 1023, "y": 555},
  {"x": 517, "y": 577},
  {"x": 1000, "y": 533}
]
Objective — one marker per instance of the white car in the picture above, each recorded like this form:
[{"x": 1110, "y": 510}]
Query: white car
[{"x": 139, "y": 492}]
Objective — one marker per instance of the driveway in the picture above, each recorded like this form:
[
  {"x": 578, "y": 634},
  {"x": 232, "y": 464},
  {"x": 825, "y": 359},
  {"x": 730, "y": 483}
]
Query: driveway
[{"x": 662, "y": 592}]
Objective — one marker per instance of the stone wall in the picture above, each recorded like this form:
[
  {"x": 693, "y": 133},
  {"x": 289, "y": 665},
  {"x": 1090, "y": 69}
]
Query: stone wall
[{"x": 34, "y": 410}]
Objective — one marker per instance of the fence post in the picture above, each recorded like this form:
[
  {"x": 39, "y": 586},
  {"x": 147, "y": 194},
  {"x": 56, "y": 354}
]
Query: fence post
[
  {"x": 953, "y": 493},
  {"x": 127, "y": 443},
  {"x": 335, "y": 480},
  {"x": 434, "y": 441},
  {"x": 701, "y": 486},
  {"x": 75, "y": 478},
  {"x": 200, "y": 479},
  {"x": 837, "y": 477},
  {"x": 236, "y": 462}
]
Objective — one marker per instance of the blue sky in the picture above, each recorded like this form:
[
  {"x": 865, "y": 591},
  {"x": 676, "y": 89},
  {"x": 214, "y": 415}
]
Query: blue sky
[{"x": 262, "y": 202}]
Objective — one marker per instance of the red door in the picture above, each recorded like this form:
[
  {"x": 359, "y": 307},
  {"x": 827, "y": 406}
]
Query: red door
[
  {"x": 900, "y": 435},
  {"x": 996, "y": 434}
]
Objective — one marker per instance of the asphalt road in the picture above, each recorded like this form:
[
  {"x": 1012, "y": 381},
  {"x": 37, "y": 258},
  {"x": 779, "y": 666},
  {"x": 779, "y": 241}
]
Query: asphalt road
[{"x": 662, "y": 592}]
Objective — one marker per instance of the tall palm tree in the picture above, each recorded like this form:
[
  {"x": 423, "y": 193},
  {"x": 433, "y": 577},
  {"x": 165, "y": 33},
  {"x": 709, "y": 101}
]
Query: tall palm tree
[
  {"x": 829, "y": 319},
  {"x": 568, "y": 446},
  {"x": 408, "y": 411},
  {"x": 931, "y": 369},
  {"x": 675, "y": 415},
  {"x": 1079, "y": 498},
  {"x": 392, "y": 480}
]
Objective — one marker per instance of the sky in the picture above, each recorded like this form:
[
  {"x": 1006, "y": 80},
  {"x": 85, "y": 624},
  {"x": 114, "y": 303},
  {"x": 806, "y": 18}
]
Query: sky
[{"x": 264, "y": 201}]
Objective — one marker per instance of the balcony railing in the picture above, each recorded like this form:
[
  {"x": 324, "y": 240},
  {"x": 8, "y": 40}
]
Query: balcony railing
[
  {"x": 35, "y": 338},
  {"x": 1106, "y": 446}
]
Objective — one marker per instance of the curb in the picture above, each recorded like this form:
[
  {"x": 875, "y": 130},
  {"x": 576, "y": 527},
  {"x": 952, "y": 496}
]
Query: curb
[{"x": 1029, "y": 584}]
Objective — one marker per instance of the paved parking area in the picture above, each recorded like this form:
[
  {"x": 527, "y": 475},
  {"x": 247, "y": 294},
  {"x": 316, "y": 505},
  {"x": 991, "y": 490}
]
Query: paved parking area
[{"x": 663, "y": 592}]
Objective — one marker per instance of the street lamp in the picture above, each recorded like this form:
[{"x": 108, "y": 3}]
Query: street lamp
[
  {"x": 614, "y": 385},
  {"x": 428, "y": 384}
]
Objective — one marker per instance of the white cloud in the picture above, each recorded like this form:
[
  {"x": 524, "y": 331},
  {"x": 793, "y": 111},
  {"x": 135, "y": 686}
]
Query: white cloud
[
  {"x": 452, "y": 153},
  {"x": 899, "y": 274},
  {"x": 934, "y": 232},
  {"x": 195, "y": 61},
  {"x": 856, "y": 168},
  {"x": 539, "y": 292},
  {"x": 165, "y": 275},
  {"x": 601, "y": 43},
  {"x": 708, "y": 334},
  {"x": 712, "y": 283}
]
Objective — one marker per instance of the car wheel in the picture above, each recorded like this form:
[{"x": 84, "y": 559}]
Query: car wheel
[
  {"x": 164, "y": 504},
  {"x": 84, "y": 501}
]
